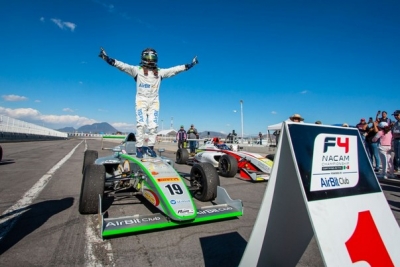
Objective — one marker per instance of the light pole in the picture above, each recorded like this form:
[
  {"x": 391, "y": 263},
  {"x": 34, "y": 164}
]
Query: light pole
[{"x": 241, "y": 116}]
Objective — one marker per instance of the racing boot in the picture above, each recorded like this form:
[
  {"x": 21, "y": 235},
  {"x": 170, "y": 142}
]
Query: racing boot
[
  {"x": 151, "y": 151},
  {"x": 139, "y": 152}
]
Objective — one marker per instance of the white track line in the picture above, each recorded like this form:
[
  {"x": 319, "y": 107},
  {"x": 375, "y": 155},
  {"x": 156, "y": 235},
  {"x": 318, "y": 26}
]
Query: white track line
[
  {"x": 94, "y": 241},
  {"x": 11, "y": 215}
]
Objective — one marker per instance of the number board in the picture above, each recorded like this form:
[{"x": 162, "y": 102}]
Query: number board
[{"x": 322, "y": 184}]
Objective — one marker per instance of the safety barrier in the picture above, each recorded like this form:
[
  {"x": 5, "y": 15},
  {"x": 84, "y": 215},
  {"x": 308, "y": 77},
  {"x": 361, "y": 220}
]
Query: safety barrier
[{"x": 16, "y": 130}]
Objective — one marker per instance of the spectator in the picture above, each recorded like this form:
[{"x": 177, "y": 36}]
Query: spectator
[
  {"x": 396, "y": 141},
  {"x": 372, "y": 141},
  {"x": 181, "y": 137},
  {"x": 385, "y": 136},
  {"x": 345, "y": 125},
  {"x": 384, "y": 117},
  {"x": 318, "y": 122},
  {"x": 362, "y": 127},
  {"x": 192, "y": 134},
  {"x": 276, "y": 134},
  {"x": 296, "y": 118}
]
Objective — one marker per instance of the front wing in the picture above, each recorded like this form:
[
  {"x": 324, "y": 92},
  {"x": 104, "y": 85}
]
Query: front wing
[{"x": 225, "y": 208}]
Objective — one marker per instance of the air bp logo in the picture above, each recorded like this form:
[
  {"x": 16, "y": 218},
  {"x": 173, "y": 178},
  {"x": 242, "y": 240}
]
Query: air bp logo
[{"x": 335, "y": 162}]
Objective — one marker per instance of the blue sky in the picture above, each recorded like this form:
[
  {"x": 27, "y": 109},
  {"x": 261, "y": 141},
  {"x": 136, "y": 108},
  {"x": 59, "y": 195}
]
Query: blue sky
[{"x": 334, "y": 61}]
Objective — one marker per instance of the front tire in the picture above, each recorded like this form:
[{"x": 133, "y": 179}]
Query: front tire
[
  {"x": 89, "y": 158},
  {"x": 182, "y": 156},
  {"x": 205, "y": 177},
  {"x": 227, "y": 166},
  {"x": 92, "y": 186},
  {"x": 1, "y": 153}
]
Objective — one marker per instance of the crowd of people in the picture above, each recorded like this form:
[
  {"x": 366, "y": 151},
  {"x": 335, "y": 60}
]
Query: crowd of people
[{"x": 381, "y": 138}]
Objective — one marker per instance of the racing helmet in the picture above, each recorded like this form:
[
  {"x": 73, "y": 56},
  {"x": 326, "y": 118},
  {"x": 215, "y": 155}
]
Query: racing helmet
[{"x": 149, "y": 58}]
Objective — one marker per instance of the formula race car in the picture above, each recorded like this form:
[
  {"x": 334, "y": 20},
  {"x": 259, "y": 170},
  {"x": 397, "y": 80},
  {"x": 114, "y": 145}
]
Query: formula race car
[
  {"x": 251, "y": 166},
  {"x": 154, "y": 178}
]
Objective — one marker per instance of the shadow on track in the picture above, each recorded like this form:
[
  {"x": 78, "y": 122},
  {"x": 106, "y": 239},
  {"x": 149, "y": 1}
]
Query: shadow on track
[
  {"x": 223, "y": 250},
  {"x": 32, "y": 218}
]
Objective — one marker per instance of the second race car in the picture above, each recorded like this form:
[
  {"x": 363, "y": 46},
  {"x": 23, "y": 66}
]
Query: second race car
[{"x": 251, "y": 166}]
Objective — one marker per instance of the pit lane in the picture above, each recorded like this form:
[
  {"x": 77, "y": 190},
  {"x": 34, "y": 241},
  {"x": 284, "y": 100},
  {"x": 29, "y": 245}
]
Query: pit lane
[{"x": 51, "y": 232}]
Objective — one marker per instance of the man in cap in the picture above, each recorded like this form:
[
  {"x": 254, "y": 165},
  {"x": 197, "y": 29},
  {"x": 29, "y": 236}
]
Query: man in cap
[
  {"x": 396, "y": 141},
  {"x": 192, "y": 134},
  {"x": 148, "y": 78},
  {"x": 181, "y": 137},
  {"x": 296, "y": 118}
]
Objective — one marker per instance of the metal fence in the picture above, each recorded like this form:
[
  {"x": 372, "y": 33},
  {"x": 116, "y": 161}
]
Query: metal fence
[{"x": 10, "y": 125}]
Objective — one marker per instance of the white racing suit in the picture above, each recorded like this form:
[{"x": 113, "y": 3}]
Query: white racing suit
[{"x": 147, "y": 101}]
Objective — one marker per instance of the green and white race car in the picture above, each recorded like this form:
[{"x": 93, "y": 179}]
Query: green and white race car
[{"x": 154, "y": 178}]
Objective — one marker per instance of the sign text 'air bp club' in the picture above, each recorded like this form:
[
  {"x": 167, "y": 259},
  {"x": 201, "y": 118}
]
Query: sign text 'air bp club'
[
  {"x": 336, "y": 165},
  {"x": 322, "y": 185}
]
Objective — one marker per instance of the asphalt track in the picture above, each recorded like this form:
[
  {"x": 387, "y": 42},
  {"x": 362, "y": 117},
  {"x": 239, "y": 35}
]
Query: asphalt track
[{"x": 40, "y": 224}]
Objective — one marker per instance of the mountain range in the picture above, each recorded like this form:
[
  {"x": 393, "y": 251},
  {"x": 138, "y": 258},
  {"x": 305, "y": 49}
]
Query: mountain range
[
  {"x": 95, "y": 128},
  {"x": 106, "y": 128}
]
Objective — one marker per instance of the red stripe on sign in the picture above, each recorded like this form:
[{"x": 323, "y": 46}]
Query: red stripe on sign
[{"x": 366, "y": 243}]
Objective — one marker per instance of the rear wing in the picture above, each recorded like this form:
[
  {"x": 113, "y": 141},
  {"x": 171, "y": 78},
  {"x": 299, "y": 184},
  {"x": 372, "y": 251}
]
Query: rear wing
[{"x": 114, "y": 137}]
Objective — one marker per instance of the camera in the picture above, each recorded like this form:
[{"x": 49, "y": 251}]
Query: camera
[{"x": 379, "y": 112}]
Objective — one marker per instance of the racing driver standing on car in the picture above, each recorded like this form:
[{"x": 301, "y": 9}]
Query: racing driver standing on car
[{"x": 148, "y": 79}]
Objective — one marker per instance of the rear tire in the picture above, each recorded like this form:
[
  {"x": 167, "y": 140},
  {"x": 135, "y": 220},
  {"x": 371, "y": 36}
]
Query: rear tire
[
  {"x": 206, "y": 178},
  {"x": 182, "y": 156},
  {"x": 92, "y": 186},
  {"x": 89, "y": 158},
  {"x": 227, "y": 166},
  {"x": 1, "y": 153}
]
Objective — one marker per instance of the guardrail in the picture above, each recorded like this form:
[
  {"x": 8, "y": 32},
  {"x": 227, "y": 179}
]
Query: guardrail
[{"x": 16, "y": 130}]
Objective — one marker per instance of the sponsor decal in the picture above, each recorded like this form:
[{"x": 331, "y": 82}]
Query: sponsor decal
[
  {"x": 175, "y": 179},
  {"x": 151, "y": 197},
  {"x": 213, "y": 211},
  {"x": 335, "y": 162},
  {"x": 185, "y": 211},
  {"x": 144, "y": 85},
  {"x": 178, "y": 201},
  {"x": 132, "y": 221}
]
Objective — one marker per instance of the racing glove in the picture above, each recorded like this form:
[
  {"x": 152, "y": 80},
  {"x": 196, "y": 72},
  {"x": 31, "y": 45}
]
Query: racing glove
[
  {"x": 106, "y": 58},
  {"x": 194, "y": 62}
]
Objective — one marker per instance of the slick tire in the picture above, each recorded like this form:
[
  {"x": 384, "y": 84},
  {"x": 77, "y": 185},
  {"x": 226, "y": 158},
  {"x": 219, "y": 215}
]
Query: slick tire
[
  {"x": 89, "y": 158},
  {"x": 205, "y": 176},
  {"x": 182, "y": 156},
  {"x": 1, "y": 153},
  {"x": 227, "y": 166},
  {"x": 270, "y": 157},
  {"x": 92, "y": 186}
]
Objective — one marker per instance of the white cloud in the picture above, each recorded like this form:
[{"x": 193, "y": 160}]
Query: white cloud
[
  {"x": 14, "y": 98},
  {"x": 55, "y": 121},
  {"x": 68, "y": 110},
  {"x": 42, "y": 19},
  {"x": 274, "y": 112},
  {"x": 304, "y": 92},
  {"x": 64, "y": 24},
  {"x": 37, "y": 101}
]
